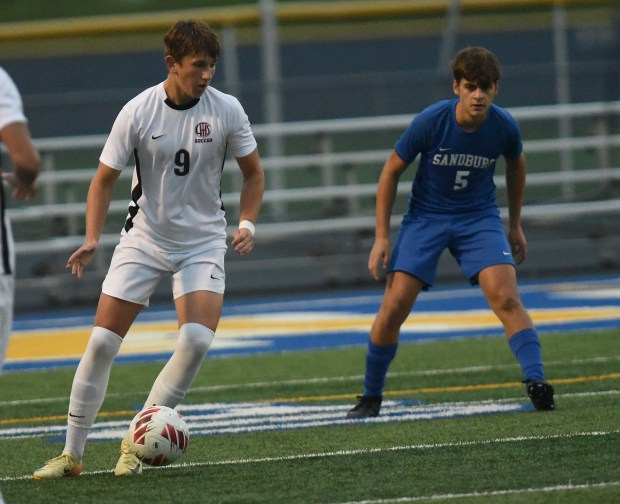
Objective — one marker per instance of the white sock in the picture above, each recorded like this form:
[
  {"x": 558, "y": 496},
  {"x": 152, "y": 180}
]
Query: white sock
[
  {"x": 7, "y": 296},
  {"x": 76, "y": 440},
  {"x": 89, "y": 387},
  {"x": 180, "y": 371}
]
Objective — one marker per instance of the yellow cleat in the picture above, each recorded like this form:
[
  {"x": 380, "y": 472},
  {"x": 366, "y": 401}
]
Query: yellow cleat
[
  {"x": 64, "y": 465},
  {"x": 128, "y": 464}
]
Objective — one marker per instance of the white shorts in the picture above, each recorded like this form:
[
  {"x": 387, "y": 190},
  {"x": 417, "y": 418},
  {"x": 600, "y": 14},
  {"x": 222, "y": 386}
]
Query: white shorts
[{"x": 137, "y": 266}]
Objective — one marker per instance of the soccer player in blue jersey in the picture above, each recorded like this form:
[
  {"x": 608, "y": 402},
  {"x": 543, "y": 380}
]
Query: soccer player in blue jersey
[{"x": 453, "y": 205}]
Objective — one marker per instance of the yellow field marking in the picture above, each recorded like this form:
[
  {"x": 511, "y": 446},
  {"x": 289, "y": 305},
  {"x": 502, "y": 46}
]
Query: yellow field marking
[
  {"x": 313, "y": 321},
  {"x": 161, "y": 336},
  {"x": 51, "y": 418},
  {"x": 437, "y": 390},
  {"x": 56, "y": 418}
]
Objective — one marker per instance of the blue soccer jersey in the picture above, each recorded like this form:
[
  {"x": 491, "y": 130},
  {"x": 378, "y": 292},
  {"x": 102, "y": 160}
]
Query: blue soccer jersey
[{"x": 456, "y": 168}]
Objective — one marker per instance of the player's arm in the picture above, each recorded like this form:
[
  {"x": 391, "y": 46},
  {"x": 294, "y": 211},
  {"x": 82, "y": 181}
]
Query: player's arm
[
  {"x": 250, "y": 201},
  {"x": 97, "y": 205},
  {"x": 24, "y": 157},
  {"x": 386, "y": 194},
  {"x": 515, "y": 186}
]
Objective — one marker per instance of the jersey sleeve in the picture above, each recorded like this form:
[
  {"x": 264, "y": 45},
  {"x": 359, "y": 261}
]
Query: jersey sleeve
[
  {"x": 412, "y": 141},
  {"x": 240, "y": 138},
  {"x": 514, "y": 145},
  {"x": 11, "y": 108},
  {"x": 119, "y": 145}
]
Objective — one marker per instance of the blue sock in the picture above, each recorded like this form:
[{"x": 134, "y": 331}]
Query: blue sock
[
  {"x": 378, "y": 359},
  {"x": 526, "y": 347}
]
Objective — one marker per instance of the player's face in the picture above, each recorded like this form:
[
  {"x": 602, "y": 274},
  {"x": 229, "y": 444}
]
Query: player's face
[
  {"x": 474, "y": 101},
  {"x": 191, "y": 76}
]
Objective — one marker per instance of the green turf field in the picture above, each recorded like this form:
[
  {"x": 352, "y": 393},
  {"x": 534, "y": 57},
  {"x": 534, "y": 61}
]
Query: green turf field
[{"x": 570, "y": 455}]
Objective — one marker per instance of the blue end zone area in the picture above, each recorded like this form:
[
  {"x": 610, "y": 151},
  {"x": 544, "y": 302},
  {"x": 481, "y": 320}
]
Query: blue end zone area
[{"x": 343, "y": 320}]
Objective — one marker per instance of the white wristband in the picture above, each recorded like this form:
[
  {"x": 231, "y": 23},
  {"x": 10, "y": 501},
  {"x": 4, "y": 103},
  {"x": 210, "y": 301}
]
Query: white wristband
[{"x": 246, "y": 224}]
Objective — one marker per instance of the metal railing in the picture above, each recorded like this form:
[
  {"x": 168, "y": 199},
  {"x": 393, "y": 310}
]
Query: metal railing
[
  {"x": 330, "y": 162},
  {"x": 342, "y": 178}
]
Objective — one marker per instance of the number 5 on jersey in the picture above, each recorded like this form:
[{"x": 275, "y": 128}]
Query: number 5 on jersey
[{"x": 460, "y": 182}]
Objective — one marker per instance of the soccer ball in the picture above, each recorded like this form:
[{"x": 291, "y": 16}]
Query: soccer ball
[{"x": 158, "y": 435}]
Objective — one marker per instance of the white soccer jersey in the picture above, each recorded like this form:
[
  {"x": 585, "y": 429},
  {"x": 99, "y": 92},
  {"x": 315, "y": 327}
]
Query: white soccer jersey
[
  {"x": 11, "y": 111},
  {"x": 179, "y": 155}
]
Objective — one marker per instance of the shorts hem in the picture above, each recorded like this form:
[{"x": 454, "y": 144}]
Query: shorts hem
[{"x": 425, "y": 285}]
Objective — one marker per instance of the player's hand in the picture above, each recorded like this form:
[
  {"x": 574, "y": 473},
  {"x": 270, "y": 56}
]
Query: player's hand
[
  {"x": 242, "y": 241},
  {"x": 518, "y": 244},
  {"x": 21, "y": 190},
  {"x": 80, "y": 259},
  {"x": 379, "y": 257}
]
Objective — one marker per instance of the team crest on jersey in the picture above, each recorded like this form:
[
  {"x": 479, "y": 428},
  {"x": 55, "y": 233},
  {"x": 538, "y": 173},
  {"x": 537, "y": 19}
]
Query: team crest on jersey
[{"x": 203, "y": 133}]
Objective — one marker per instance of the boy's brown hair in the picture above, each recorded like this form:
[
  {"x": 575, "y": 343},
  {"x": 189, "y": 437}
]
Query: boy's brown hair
[
  {"x": 191, "y": 37},
  {"x": 478, "y": 65}
]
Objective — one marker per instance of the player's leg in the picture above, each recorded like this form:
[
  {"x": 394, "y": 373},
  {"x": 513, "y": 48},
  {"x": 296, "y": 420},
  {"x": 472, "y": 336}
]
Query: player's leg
[
  {"x": 134, "y": 272},
  {"x": 400, "y": 294},
  {"x": 112, "y": 321},
  {"x": 7, "y": 299},
  {"x": 413, "y": 266},
  {"x": 198, "y": 313},
  {"x": 198, "y": 288},
  {"x": 482, "y": 250},
  {"x": 499, "y": 285},
  {"x": 7, "y": 289}
]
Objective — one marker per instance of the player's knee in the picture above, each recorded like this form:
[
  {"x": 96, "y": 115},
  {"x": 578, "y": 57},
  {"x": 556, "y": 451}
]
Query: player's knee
[
  {"x": 508, "y": 304},
  {"x": 196, "y": 338},
  {"x": 103, "y": 343},
  {"x": 391, "y": 317}
]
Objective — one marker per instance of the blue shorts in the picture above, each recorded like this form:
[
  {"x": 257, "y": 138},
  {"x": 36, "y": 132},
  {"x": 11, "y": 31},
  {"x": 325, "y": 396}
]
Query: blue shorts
[{"x": 475, "y": 240}]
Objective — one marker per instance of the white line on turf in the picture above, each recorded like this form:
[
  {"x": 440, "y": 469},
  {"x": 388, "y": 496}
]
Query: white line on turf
[
  {"x": 514, "y": 491},
  {"x": 361, "y": 451}
]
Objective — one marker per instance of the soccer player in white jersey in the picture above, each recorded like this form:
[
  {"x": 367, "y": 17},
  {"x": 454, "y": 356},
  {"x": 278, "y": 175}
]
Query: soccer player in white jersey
[
  {"x": 453, "y": 206},
  {"x": 15, "y": 135},
  {"x": 178, "y": 132}
]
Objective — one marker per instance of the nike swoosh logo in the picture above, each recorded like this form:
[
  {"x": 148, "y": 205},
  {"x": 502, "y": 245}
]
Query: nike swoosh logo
[
  {"x": 506, "y": 253},
  {"x": 444, "y": 149},
  {"x": 215, "y": 278},
  {"x": 76, "y": 416},
  {"x": 153, "y": 137}
]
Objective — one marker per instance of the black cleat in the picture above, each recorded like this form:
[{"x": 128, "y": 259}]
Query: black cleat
[
  {"x": 366, "y": 407},
  {"x": 541, "y": 394}
]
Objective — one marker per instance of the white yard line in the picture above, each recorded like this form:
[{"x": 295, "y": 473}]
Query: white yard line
[
  {"x": 365, "y": 451},
  {"x": 514, "y": 491}
]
